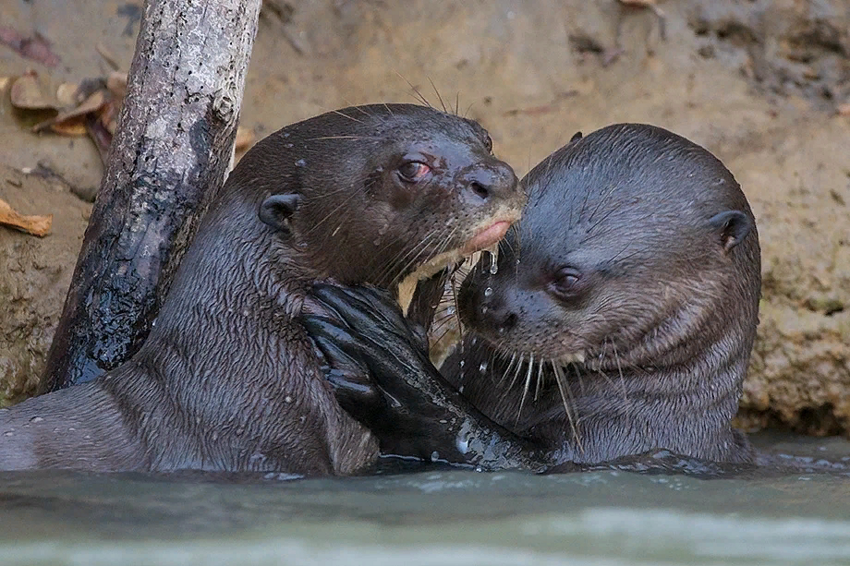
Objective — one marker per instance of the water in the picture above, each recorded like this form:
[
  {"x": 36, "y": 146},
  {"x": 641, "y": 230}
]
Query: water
[{"x": 433, "y": 517}]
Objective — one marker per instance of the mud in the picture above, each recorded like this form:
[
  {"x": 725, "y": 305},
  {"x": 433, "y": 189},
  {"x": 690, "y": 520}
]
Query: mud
[{"x": 759, "y": 87}]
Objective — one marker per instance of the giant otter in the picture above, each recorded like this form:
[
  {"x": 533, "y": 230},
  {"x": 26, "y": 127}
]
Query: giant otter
[
  {"x": 228, "y": 379},
  {"x": 618, "y": 320}
]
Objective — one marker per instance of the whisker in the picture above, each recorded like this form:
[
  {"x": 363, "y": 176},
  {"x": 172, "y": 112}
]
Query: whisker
[
  {"x": 540, "y": 377},
  {"x": 508, "y": 369},
  {"x": 563, "y": 387},
  {"x": 419, "y": 94},
  {"x": 525, "y": 388},
  {"x": 516, "y": 373},
  {"x": 437, "y": 92}
]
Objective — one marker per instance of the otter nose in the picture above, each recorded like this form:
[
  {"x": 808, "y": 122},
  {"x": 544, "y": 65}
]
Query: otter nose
[
  {"x": 494, "y": 181},
  {"x": 493, "y": 311}
]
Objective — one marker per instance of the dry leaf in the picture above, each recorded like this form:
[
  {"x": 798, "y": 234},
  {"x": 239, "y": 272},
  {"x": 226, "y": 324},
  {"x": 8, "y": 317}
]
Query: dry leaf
[
  {"x": 91, "y": 104},
  {"x": 651, "y": 4},
  {"x": 108, "y": 115},
  {"x": 36, "y": 48},
  {"x": 26, "y": 93},
  {"x": 101, "y": 137},
  {"x": 117, "y": 84},
  {"x": 75, "y": 126},
  {"x": 35, "y": 225},
  {"x": 66, "y": 94}
]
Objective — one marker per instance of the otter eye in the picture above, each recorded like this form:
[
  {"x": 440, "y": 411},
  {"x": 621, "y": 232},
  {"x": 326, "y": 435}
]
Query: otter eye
[
  {"x": 413, "y": 171},
  {"x": 566, "y": 282},
  {"x": 488, "y": 143}
]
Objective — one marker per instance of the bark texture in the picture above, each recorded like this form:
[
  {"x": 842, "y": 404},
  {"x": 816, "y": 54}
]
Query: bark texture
[{"x": 171, "y": 152}]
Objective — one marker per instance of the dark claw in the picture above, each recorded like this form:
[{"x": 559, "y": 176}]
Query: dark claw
[
  {"x": 350, "y": 378},
  {"x": 343, "y": 302},
  {"x": 336, "y": 342}
]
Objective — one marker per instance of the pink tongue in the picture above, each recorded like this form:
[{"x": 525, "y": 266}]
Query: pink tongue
[{"x": 487, "y": 237}]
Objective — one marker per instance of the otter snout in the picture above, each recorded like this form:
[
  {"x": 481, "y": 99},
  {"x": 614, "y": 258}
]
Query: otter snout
[
  {"x": 491, "y": 182},
  {"x": 483, "y": 307}
]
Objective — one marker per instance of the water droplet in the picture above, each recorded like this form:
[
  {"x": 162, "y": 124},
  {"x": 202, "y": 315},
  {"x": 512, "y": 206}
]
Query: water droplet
[
  {"x": 474, "y": 341},
  {"x": 494, "y": 267},
  {"x": 435, "y": 456},
  {"x": 484, "y": 310},
  {"x": 288, "y": 399},
  {"x": 488, "y": 291},
  {"x": 286, "y": 134},
  {"x": 460, "y": 389},
  {"x": 214, "y": 436},
  {"x": 483, "y": 367},
  {"x": 289, "y": 146},
  {"x": 36, "y": 419},
  {"x": 9, "y": 433},
  {"x": 301, "y": 163},
  {"x": 462, "y": 363}
]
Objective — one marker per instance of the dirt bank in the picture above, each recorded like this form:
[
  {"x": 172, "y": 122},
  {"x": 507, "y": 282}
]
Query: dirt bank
[{"x": 760, "y": 88}]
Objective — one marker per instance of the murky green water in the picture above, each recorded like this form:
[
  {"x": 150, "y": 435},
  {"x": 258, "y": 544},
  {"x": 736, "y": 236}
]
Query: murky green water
[{"x": 436, "y": 517}]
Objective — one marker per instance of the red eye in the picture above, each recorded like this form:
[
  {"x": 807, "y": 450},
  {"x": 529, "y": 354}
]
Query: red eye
[{"x": 413, "y": 171}]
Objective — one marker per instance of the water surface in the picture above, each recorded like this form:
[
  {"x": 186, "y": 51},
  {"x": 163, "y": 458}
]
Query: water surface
[{"x": 434, "y": 517}]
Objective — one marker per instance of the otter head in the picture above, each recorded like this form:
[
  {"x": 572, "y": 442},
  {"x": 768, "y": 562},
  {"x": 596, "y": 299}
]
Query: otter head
[
  {"x": 637, "y": 249},
  {"x": 371, "y": 193}
]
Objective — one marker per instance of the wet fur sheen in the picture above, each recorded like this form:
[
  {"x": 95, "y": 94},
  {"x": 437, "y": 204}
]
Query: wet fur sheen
[
  {"x": 652, "y": 351},
  {"x": 227, "y": 379}
]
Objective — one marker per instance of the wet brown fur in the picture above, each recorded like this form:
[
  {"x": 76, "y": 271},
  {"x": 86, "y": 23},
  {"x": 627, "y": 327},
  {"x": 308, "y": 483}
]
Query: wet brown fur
[{"x": 228, "y": 379}]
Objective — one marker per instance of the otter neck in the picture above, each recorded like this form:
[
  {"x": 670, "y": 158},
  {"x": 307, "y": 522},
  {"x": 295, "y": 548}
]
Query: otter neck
[{"x": 612, "y": 412}]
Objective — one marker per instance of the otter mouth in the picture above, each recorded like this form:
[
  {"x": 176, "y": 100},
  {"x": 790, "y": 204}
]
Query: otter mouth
[
  {"x": 487, "y": 237},
  {"x": 483, "y": 238}
]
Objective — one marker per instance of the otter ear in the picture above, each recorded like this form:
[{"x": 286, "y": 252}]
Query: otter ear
[
  {"x": 576, "y": 137},
  {"x": 733, "y": 226},
  {"x": 278, "y": 209}
]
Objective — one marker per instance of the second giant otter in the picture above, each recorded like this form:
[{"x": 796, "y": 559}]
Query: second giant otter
[
  {"x": 228, "y": 379},
  {"x": 618, "y": 320}
]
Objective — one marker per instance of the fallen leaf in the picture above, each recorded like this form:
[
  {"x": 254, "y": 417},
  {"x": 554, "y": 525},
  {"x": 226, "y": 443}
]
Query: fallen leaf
[
  {"x": 101, "y": 137},
  {"x": 91, "y": 104},
  {"x": 652, "y": 5},
  {"x": 117, "y": 84},
  {"x": 244, "y": 138},
  {"x": 108, "y": 115},
  {"x": 26, "y": 93},
  {"x": 75, "y": 126},
  {"x": 36, "y": 48},
  {"x": 35, "y": 225},
  {"x": 66, "y": 94}
]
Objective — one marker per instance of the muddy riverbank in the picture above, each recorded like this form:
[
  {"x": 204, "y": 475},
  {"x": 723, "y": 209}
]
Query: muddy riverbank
[{"x": 766, "y": 90}]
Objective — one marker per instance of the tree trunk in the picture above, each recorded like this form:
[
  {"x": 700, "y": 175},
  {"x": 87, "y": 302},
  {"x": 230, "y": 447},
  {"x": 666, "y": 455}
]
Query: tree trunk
[{"x": 171, "y": 152}]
